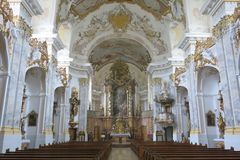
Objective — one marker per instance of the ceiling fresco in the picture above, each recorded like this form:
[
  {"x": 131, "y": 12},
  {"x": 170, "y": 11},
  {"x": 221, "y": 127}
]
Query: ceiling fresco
[
  {"x": 121, "y": 20},
  {"x": 82, "y": 8},
  {"x": 158, "y": 8},
  {"x": 93, "y": 19},
  {"x": 125, "y": 50}
]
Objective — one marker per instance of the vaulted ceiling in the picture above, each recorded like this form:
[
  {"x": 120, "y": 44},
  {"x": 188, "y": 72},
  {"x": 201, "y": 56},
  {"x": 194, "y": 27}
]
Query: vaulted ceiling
[
  {"x": 82, "y": 8},
  {"x": 91, "y": 20},
  {"x": 122, "y": 49}
]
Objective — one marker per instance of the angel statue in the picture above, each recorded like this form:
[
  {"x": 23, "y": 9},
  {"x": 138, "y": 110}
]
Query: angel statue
[{"x": 74, "y": 102}]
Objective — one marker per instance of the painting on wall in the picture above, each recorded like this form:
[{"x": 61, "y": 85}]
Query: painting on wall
[
  {"x": 32, "y": 119},
  {"x": 211, "y": 119},
  {"x": 120, "y": 103}
]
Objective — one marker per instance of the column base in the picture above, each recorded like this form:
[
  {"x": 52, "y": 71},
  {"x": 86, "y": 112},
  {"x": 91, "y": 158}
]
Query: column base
[
  {"x": 232, "y": 141},
  {"x": 200, "y": 138},
  {"x": 10, "y": 138}
]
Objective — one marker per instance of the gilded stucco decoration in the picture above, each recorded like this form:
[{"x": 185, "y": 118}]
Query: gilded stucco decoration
[
  {"x": 63, "y": 75},
  {"x": 175, "y": 76},
  {"x": 6, "y": 15},
  {"x": 21, "y": 23},
  {"x": 108, "y": 21},
  {"x": 237, "y": 37},
  {"x": 6, "y": 24},
  {"x": 39, "y": 54},
  {"x": 83, "y": 81},
  {"x": 120, "y": 73},
  {"x": 199, "y": 58},
  {"x": 54, "y": 60},
  {"x": 82, "y": 8},
  {"x": 156, "y": 81},
  {"x": 144, "y": 27},
  {"x": 222, "y": 26},
  {"x": 177, "y": 10},
  {"x": 158, "y": 8},
  {"x": 188, "y": 59},
  {"x": 120, "y": 19}
]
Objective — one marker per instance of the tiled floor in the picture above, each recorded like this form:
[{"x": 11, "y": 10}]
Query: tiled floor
[{"x": 122, "y": 154}]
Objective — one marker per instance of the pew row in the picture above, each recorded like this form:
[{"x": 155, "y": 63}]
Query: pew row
[
  {"x": 63, "y": 151},
  {"x": 180, "y": 151}
]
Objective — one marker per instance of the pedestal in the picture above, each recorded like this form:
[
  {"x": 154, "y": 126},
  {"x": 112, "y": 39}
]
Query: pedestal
[
  {"x": 219, "y": 142},
  {"x": 73, "y": 134},
  {"x": 25, "y": 144}
]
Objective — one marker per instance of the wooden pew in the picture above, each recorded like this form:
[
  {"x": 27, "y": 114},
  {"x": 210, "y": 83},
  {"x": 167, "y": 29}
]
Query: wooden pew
[
  {"x": 62, "y": 151},
  {"x": 179, "y": 151}
]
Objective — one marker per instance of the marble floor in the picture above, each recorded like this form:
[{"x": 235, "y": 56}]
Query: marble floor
[{"x": 122, "y": 154}]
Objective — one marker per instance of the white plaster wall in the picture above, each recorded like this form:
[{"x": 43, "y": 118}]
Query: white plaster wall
[{"x": 35, "y": 86}]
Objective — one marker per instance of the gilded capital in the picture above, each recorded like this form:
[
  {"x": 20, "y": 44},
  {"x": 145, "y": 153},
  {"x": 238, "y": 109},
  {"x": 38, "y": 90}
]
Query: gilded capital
[{"x": 83, "y": 81}]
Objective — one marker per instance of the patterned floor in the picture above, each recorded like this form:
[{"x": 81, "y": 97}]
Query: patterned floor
[{"x": 122, "y": 154}]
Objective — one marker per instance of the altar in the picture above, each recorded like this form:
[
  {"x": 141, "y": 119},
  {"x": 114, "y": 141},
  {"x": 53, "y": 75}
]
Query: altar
[
  {"x": 120, "y": 137},
  {"x": 120, "y": 131}
]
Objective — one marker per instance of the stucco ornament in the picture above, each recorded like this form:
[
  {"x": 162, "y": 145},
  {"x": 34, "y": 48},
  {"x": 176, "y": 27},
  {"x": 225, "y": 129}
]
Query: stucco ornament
[{"x": 120, "y": 19}]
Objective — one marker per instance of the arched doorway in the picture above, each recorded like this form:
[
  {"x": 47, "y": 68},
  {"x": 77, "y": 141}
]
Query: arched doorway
[
  {"x": 185, "y": 123},
  {"x": 32, "y": 118},
  {"x": 58, "y": 114},
  {"x": 208, "y": 94}
]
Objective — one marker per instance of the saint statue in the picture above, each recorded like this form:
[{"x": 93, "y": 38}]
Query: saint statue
[
  {"x": 221, "y": 125},
  {"x": 74, "y": 102}
]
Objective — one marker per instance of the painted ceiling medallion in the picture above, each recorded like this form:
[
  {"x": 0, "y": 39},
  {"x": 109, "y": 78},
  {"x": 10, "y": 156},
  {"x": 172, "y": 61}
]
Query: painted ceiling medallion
[{"x": 120, "y": 19}]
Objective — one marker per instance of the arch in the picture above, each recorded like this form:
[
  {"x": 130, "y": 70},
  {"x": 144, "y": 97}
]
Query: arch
[
  {"x": 130, "y": 35},
  {"x": 58, "y": 114},
  {"x": 35, "y": 81},
  {"x": 203, "y": 78},
  {"x": 184, "y": 122},
  {"x": 208, "y": 79},
  {"x": 41, "y": 77}
]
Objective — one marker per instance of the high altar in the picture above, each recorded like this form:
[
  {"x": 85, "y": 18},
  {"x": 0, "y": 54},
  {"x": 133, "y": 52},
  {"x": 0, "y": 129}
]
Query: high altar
[{"x": 119, "y": 118}]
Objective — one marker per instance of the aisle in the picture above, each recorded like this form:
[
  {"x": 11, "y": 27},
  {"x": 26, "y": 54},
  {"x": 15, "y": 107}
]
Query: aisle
[{"x": 122, "y": 154}]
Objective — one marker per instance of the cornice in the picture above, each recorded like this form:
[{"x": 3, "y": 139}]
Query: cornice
[
  {"x": 158, "y": 67},
  {"x": 58, "y": 44},
  {"x": 211, "y": 6},
  {"x": 32, "y": 6},
  {"x": 51, "y": 38},
  {"x": 191, "y": 38},
  {"x": 87, "y": 67}
]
